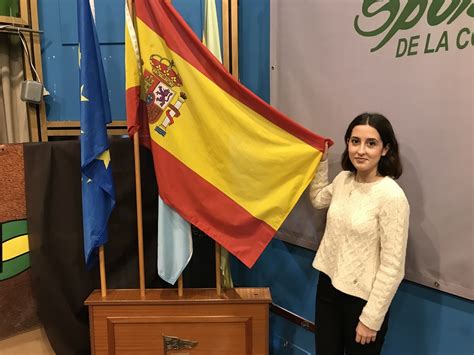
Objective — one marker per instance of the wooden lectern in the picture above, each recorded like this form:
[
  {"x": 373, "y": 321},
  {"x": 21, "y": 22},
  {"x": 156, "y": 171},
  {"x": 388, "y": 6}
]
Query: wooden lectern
[{"x": 199, "y": 322}]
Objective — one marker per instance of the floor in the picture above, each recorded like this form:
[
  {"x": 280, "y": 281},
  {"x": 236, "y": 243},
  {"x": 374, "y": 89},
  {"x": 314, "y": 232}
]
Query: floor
[{"x": 33, "y": 342}]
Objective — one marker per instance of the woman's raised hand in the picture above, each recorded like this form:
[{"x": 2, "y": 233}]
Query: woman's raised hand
[{"x": 326, "y": 148}]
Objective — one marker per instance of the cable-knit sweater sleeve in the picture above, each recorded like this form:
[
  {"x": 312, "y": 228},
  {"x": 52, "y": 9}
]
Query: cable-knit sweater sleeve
[
  {"x": 393, "y": 224},
  {"x": 320, "y": 191}
]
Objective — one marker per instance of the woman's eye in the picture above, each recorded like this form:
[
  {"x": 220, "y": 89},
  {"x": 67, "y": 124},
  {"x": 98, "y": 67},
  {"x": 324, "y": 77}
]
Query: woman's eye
[{"x": 354, "y": 141}]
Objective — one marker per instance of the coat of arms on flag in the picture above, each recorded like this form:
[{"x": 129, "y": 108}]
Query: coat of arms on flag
[{"x": 162, "y": 85}]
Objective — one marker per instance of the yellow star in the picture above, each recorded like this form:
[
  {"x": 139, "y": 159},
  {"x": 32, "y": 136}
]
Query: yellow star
[
  {"x": 79, "y": 54},
  {"x": 105, "y": 157},
  {"x": 83, "y": 98}
]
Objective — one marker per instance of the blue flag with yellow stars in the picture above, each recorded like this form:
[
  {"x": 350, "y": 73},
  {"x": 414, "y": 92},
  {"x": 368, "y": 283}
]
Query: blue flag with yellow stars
[{"x": 98, "y": 191}]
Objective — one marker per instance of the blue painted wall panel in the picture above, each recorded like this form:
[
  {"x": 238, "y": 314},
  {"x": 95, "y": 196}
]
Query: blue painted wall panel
[
  {"x": 114, "y": 64},
  {"x": 58, "y": 18},
  {"x": 254, "y": 44},
  {"x": 110, "y": 21},
  {"x": 60, "y": 61},
  {"x": 287, "y": 338},
  {"x": 425, "y": 321},
  {"x": 192, "y": 13},
  {"x": 284, "y": 268}
]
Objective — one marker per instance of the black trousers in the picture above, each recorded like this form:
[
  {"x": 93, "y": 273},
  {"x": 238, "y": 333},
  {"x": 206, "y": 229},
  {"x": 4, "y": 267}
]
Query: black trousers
[{"x": 337, "y": 316}]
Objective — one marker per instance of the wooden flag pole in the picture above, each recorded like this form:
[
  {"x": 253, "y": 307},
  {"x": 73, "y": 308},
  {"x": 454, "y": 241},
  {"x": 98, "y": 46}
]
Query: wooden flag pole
[
  {"x": 225, "y": 34},
  {"x": 226, "y": 61},
  {"x": 138, "y": 188},
  {"x": 103, "y": 281},
  {"x": 234, "y": 35},
  {"x": 180, "y": 286},
  {"x": 218, "y": 270},
  {"x": 234, "y": 61}
]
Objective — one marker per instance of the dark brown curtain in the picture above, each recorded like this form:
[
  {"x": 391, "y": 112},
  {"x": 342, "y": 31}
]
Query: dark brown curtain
[{"x": 60, "y": 281}]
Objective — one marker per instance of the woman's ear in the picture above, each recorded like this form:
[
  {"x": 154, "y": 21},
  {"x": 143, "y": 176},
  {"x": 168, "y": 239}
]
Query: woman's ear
[{"x": 385, "y": 150}]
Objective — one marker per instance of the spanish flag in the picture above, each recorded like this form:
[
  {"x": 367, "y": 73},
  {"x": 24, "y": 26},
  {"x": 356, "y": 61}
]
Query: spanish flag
[{"x": 227, "y": 161}]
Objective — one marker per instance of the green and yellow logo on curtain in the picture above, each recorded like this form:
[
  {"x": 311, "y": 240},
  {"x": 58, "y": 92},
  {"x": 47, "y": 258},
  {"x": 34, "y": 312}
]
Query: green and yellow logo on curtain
[
  {"x": 15, "y": 251},
  {"x": 395, "y": 16}
]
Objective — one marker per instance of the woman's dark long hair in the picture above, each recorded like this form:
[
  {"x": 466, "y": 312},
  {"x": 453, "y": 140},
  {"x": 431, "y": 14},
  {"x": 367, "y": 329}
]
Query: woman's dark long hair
[{"x": 390, "y": 164}]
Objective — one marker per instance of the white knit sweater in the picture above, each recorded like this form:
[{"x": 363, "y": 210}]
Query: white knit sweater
[{"x": 364, "y": 245}]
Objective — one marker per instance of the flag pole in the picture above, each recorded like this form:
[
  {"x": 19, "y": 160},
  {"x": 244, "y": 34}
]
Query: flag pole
[
  {"x": 218, "y": 269},
  {"x": 103, "y": 282},
  {"x": 226, "y": 62},
  {"x": 234, "y": 35},
  {"x": 138, "y": 190},
  {"x": 180, "y": 285},
  {"x": 225, "y": 34}
]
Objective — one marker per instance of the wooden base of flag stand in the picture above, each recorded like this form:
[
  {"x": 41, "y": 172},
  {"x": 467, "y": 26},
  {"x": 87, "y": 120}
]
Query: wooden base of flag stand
[{"x": 161, "y": 322}]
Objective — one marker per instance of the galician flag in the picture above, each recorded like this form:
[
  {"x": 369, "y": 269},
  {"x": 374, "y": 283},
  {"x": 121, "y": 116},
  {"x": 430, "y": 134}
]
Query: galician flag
[{"x": 175, "y": 245}]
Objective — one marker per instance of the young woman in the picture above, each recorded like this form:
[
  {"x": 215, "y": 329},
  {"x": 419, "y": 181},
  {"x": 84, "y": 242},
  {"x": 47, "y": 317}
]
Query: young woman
[{"x": 361, "y": 258}]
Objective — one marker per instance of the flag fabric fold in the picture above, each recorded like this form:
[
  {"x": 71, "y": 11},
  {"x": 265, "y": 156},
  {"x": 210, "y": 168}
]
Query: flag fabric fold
[
  {"x": 98, "y": 191},
  {"x": 224, "y": 159}
]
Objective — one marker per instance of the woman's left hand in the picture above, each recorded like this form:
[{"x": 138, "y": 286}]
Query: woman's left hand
[
  {"x": 364, "y": 335},
  {"x": 325, "y": 154}
]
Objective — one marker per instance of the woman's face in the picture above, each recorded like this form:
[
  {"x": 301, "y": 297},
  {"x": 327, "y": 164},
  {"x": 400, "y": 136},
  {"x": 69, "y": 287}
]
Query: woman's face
[{"x": 365, "y": 148}]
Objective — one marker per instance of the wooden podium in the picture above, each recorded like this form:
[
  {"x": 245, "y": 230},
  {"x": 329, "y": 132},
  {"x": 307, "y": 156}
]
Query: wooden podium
[{"x": 199, "y": 322}]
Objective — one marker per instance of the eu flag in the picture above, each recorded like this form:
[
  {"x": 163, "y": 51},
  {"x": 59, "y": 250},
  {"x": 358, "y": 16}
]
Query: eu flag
[{"x": 98, "y": 191}]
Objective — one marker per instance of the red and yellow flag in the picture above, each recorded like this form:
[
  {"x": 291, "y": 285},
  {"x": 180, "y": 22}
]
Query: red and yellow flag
[{"x": 224, "y": 159}]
